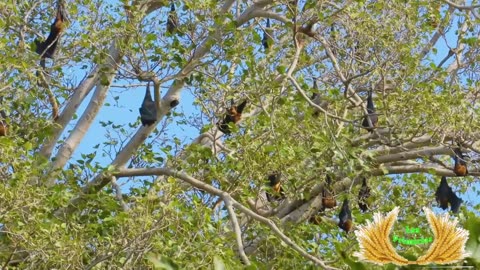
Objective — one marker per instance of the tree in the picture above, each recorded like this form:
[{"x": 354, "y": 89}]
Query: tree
[{"x": 143, "y": 196}]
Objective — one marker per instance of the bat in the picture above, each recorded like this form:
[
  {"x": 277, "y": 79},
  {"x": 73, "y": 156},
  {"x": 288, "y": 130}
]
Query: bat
[
  {"x": 328, "y": 201},
  {"x": 275, "y": 183},
  {"x": 172, "y": 21},
  {"x": 363, "y": 195},
  {"x": 267, "y": 39},
  {"x": 317, "y": 99},
  {"x": 3, "y": 124},
  {"x": 148, "y": 110},
  {"x": 345, "y": 217},
  {"x": 442, "y": 195},
  {"x": 455, "y": 202},
  {"x": 234, "y": 114},
  {"x": 47, "y": 48},
  {"x": 460, "y": 167},
  {"x": 371, "y": 114}
]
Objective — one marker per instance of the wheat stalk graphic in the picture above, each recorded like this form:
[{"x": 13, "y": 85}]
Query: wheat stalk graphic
[
  {"x": 449, "y": 244},
  {"x": 375, "y": 246},
  {"x": 374, "y": 240}
]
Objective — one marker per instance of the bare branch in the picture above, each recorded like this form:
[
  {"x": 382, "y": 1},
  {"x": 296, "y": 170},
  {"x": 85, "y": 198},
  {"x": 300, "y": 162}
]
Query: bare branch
[{"x": 238, "y": 232}]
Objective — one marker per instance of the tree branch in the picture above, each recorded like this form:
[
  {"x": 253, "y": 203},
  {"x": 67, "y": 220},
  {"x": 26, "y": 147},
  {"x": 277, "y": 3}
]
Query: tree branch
[
  {"x": 214, "y": 191},
  {"x": 238, "y": 232}
]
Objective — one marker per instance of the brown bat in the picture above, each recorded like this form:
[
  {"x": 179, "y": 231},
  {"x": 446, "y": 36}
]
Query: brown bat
[
  {"x": 47, "y": 48},
  {"x": 275, "y": 183},
  {"x": 363, "y": 195},
  {"x": 460, "y": 167},
  {"x": 328, "y": 201},
  {"x": 234, "y": 114},
  {"x": 345, "y": 217},
  {"x": 172, "y": 21}
]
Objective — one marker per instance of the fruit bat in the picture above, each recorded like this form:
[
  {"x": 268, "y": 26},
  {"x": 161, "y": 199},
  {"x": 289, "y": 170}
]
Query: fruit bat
[
  {"x": 148, "y": 110},
  {"x": 317, "y": 99},
  {"x": 3, "y": 124},
  {"x": 442, "y": 194},
  {"x": 371, "y": 114},
  {"x": 47, "y": 48},
  {"x": 460, "y": 167},
  {"x": 455, "y": 202},
  {"x": 345, "y": 217},
  {"x": 328, "y": 201},
  {"x": 172, "y": 21},
  {"x": 275, "y": 183},
  {"x": 234, "y": 114},
  {"x": 267, "y": 39},
  {"x": 363, "y": 195}
]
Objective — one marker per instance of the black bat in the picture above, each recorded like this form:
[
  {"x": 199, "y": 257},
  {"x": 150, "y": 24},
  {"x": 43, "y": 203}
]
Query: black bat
[
  {"x": 317, "y": 99},
  {"x": 267, "y": 39},
  {"x": 345, "y": 217},
  {"x": 460, "y": 167},
  {"x": 455, "y": 202},
  {"x": 442, "y": 195},
  {"x": 371, "y": 114},
  {"x": 234, "y": 114},
  {"x": 148, "y": 110},
  {"x": 47, "y": 48},
  {"x": 363, "y": 195},
  {"x": 172, "y": 21}
]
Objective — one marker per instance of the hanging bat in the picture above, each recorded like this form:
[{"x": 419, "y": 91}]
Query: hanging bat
[
  {"x": 275, "y": 183},
  {"x": 328, "y": 200},
  {"x": 317, "y": 99},
  {"x": 455, "y": 202},
  {"x": 3, "y": 124},
  {"x": 460, "y": 167},
  {"x": 442, "y": 195},
  {"x": 234, "y": 114},
  {"x": 47, "y": 48},
  {"x": 148, "y": 110},
  {"x": 172, "y": 21},
  {"x": 267, "y": 39},
  {"x": 371, "y": 114},
  {"x": 345, "y": 217},
  {"x": 363, "y": 195}
]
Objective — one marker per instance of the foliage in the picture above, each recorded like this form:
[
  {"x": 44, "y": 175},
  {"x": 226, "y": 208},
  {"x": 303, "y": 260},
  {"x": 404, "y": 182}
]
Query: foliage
[{"x": 84, "y": 191}]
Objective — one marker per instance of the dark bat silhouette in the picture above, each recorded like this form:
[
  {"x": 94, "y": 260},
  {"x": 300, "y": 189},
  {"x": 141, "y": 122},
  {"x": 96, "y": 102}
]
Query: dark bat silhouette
[
  {"x": 455, "y": 202},
  {"x": 317, "y": 99},
  {"x": 363, "y": 195},
  {"x": 371, "y": 114},
  {"x": 345, "y": 217},
  {"x": 172, "y": 21},
  {"x": 234, "y": 114},
  {"x": 275, "y": 183},
  {"x": 47, "y": 48},
  {"x": 148, "y": 110},
  {"x": 460, "y": 167},
  {"x": 445, "y": 195},
  {"x": 267, "y": 39},
  {"x": 442, "y": 194},
  {"x": 328, "y": 200}
]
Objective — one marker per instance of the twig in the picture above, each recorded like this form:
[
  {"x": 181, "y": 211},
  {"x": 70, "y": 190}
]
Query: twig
[
  {"x": 118, "y": 194},
  {"x": 236, "y": 229}
]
